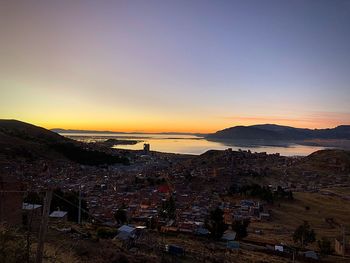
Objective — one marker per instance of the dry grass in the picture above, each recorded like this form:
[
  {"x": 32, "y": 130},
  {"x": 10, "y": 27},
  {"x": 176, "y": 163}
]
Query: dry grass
[
  {"x": 345, "y": 191},
  {"x": 59, "y": 255},
  {"x": 311, "y": 207},
  {"x": 208, "y": 251},
  {"x": 320, "y": 207}
]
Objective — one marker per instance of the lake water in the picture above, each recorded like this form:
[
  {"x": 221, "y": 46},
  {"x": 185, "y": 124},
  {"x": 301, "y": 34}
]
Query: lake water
[{"x": 190, "y": 144}]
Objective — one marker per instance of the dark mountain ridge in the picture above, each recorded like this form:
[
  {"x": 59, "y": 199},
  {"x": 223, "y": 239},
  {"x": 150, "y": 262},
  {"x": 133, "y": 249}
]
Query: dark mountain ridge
[
  {"x": 279, "y": 132},
  {"x": 20, "y": 140},
  {"x": 29, "y": 132}
]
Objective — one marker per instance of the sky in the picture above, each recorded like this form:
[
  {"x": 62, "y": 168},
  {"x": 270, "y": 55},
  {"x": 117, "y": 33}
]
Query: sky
[{"x": 186, "y": 66}]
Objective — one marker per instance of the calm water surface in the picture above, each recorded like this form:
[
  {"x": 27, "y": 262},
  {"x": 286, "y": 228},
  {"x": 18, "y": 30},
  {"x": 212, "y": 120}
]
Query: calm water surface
[{"x": 190, "y": 144}]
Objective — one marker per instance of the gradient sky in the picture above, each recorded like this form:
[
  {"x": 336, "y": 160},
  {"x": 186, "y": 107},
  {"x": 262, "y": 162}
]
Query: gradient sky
[{"x": 195, "y": 66}]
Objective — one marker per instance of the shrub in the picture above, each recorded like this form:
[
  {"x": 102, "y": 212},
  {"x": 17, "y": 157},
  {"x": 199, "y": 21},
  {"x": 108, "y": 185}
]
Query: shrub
[{"x": 105, "y": 232}]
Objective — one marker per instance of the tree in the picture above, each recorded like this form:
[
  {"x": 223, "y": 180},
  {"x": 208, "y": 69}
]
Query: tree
[
  {"x": 256, "y": 190},
  {"x": 325, "y": 246},
  {"x": 151, "y": 223},
  {"x": 168, "y": 209},
  {"x": 105, "y": 232},
  {"x": 215, "y": 223},
  {"x": 304, "y": 234},
  {"x": 240, "y": 227},
  {"x": 121, "y": 216}
]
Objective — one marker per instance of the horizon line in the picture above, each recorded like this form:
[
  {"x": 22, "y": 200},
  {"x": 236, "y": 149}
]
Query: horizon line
[{"x": 184, "y": 132}]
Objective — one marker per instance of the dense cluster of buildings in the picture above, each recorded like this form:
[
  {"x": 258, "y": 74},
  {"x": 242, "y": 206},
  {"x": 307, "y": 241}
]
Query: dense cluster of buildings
[{"x": 196, "y": 184}]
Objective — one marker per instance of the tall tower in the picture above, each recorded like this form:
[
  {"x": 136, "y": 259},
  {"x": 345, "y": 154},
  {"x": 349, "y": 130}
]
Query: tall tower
[{"x": 146, "y": 148}]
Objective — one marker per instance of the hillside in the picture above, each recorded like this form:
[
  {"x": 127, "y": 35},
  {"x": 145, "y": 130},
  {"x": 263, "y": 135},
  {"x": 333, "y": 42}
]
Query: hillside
[
  {"x": 278, "y": 132},
  {"x": 327, "y": 161},
  {"x": 24, "y": 141},
  {"x": 29, "y": 132}
]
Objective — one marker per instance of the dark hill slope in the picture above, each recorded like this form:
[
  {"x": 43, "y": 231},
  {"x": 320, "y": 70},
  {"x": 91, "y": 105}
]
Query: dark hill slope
[
  {"x": 328, "y": 160},
  {"x": 29, "y": 132},
  {"x": 19, "y": 140},
  {"x": 325, "y": 166},
  {"x": 278, "y": 132},
  {"x": 245, "y": 133}
]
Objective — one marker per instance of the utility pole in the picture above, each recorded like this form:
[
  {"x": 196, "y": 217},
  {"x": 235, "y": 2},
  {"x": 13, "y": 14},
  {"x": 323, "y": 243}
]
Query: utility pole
[
  {"x": 43, "y": 226},
  {"x": 79, "y": 212},
  {"x": 344, "y": 239}
]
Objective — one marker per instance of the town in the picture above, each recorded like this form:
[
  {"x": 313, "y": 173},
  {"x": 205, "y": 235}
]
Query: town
[{"x": 172, "y": 194}]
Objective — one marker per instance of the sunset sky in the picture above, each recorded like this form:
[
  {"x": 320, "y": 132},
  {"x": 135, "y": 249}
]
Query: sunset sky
[{"x": 187, "y": 66}]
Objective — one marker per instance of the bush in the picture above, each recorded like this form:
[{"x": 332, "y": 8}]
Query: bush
[
  {"x": 240, "y": 227},
  {"x": 325, "y": 246},
  {"x": 105, "y": 232},
  {"x": 215, "y": 223},
  {"x": 304, "y": 234}
]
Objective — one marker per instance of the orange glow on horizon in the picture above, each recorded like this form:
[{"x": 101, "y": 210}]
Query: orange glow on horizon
[{"x": 196, "y": 126}]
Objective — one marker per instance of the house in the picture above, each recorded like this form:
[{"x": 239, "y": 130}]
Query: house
[
  {"x": 229, "y": 235},
  {"x": 311, "y": 254},
  {"x": 201, "y": 231},
  {"x": 234, "y": 245},
  {"x": 31, "y": 216},
  {"x": 166, "y": 229},
  {"x": 164, "y": 189},
  {"x": 265, "y": 216},
  {"x": 125, "y": 232},
  {"x": 58, "y": 216},
  {"x": 279, "y": 248},
  {"x": 187, "y": 227}
]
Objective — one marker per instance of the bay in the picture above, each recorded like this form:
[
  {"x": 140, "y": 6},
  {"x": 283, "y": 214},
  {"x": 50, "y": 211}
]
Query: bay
[{"x": 192, "y": 144}]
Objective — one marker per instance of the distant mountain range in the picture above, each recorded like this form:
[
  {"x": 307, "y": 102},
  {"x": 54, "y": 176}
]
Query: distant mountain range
[
  {"x": 59, "y": 130},
  {"x": 24, "y": 141},
  {"x": 278, "y": 132},
  {"x": 254, "y": 132}
]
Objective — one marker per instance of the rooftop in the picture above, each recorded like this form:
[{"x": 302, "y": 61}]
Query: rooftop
[
  {"x": 27, "y": 206},
  {"x": 58, "y": 214},
  {"x": 126, "y": 228}
]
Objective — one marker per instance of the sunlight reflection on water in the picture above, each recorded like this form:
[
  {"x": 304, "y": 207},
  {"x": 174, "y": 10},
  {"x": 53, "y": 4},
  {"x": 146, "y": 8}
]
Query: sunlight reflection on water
[{"x": 190, "y": 144}]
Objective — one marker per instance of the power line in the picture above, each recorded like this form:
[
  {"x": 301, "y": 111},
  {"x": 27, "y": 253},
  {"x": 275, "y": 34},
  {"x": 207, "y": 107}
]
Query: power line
[
  {"x": 12, "y": 191},
  {"x": 85, "y": 211},
  {"x": 25, "y": 192}
]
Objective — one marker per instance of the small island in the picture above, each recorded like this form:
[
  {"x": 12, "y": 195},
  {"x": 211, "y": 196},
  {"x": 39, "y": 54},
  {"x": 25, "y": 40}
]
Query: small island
[{"x": 112, "y": 142}]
